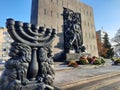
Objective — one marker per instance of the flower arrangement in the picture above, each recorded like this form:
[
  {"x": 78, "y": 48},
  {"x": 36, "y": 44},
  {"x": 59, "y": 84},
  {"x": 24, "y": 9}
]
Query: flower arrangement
[
  {"x": 102, "y": 60},
  {"x": 83, "y": 60},
  {"x": 97, "y": 62},
  {"x": 87, "y": 60},
  {"x": 116, "y": 61},
  {"x": 73, "y": 64},
  {"x": 91, "y": 60}
]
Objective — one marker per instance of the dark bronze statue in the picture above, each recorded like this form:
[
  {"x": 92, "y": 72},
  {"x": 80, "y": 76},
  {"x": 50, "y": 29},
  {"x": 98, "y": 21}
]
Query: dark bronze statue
[
  {"x": 16, "y": 67},
  {"x": 73, "y": 39},
  {"x": 31, "y": 65}
]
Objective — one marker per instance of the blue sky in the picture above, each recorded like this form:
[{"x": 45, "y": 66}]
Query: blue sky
[
  {"x": 16, "y": 9},
  {"x": 106, "y": 13}
]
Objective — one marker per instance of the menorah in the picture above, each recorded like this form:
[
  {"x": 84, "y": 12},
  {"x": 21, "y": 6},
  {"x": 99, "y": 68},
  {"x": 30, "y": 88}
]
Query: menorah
[{"x": 30, "y": 65}]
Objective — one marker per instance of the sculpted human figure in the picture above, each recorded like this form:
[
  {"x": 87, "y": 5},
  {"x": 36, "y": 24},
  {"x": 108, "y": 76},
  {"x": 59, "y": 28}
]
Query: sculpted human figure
[
  {"x": 78, "y": 32},
  {"x": 70, "y": 38},
  {"x": 72, "y": 31}
]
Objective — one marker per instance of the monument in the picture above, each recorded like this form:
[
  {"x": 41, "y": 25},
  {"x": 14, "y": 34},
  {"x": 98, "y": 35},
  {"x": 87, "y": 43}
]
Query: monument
[
  {"x": 49, "y": 13},
  {"x": 31, "y": 65},
  {"x": 73, "y": 38}
]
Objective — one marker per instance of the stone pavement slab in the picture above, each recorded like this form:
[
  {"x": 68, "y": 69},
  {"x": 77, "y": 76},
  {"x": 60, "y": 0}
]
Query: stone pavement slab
[{"x": 82, "y": 72}]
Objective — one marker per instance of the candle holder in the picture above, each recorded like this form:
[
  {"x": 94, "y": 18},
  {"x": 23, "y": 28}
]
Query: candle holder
[{"x": 31, "y": 65}]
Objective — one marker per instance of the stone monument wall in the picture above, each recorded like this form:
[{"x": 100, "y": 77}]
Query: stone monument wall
[{"x": 49, "y": 13}]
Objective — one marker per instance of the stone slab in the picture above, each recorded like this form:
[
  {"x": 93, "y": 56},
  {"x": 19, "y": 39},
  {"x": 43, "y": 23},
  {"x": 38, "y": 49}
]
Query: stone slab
[
  {"x": 31, "y": 87},
  {"x": 75, "y": 56},
  {"x": 72, "y": 56}
]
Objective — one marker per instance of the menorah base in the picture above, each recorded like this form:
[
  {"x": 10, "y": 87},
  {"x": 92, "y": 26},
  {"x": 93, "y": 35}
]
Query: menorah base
[
  {"x": 30, "y": 86},
  {"x": 36, "y": 86}
]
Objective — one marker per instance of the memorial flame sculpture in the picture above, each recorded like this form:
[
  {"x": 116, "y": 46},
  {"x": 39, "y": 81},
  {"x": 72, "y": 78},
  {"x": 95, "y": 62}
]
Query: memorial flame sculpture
[{"x": 31, "y": 65}]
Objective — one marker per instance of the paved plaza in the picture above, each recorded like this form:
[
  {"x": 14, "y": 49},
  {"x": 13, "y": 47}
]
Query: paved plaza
[{"x": 66, "y": 75}]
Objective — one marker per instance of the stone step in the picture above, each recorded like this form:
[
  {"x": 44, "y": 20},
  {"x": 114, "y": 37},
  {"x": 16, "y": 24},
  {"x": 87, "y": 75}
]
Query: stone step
[
  {"x": 99, "y": 84},
  {"x": 92, "y": 83},
  {"x": 112, "y": 86}
]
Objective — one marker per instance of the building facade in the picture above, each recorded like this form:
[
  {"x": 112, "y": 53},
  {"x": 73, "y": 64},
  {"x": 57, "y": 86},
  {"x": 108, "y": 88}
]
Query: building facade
[
  {"x": 5, "y": 41},
  {"x": 49, "y": 13},
  {"x": 1, "y": 41},
  {"x": 101, "y": 35}
]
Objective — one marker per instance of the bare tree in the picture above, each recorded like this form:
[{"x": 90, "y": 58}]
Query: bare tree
[{"x": 116, "y": 40}]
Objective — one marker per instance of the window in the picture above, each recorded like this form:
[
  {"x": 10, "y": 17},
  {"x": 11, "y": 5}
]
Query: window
[
  {"x": 94, "y": 47},
  {"x": 7, "y": 38},
  {"x": 89, "y": 35},
  {"x": 51, "y": 13},
  {"x": 87, "y": 13},
  {"x": 62, "y": 2},
  {"x": 90, "y": 14},
  {"x": 57, "y": 1},
  {"x": 57, "y": 15},
  {"x": 83, "y": 11},
  {"x": 3, "y": 55},
  {"x": 67, "y": 4},
  {"x": 86, "y": 46},
  {"x": 88, "y": 24},
  {"x": 84, "y": 22},
  {"x": 91, "y": 25},
  {"x": 86, "y": 35},
  {"x": 44, "y": 25},
  {"x": 4, "y": 49},
  {"x": 62, "y": 26},
  {"x": 91, "y": 47},
  {"x": 51, "y": 26},
  {"x": 93, "y": 36},
  {"x": 45, "y": 12},
  {"x": 5, "y": 33},
  {"x": 57, "y": 29},
  {"x": 80, "y": 9}
]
